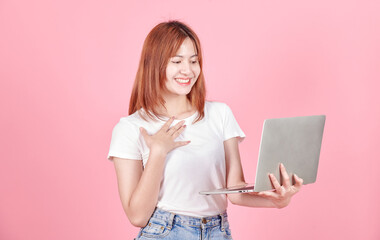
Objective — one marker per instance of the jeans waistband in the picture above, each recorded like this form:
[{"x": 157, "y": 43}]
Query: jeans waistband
[{"x": 189, "y": 220}]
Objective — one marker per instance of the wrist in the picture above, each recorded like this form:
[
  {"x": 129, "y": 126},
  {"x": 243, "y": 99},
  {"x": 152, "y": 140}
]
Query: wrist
[{"x": 157, "y": 152}]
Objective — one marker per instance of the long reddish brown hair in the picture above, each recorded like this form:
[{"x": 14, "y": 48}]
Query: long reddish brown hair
[{"x": 160, "y": 45}]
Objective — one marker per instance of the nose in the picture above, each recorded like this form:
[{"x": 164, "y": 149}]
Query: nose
[{"x": 185, "y": 68}]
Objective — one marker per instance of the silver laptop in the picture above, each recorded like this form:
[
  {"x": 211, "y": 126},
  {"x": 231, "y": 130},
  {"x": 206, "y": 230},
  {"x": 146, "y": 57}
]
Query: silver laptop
[{"x": 295, "y": 142}]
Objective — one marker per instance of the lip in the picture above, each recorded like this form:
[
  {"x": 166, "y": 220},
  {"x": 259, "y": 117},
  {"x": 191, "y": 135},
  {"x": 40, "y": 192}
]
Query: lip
[{"x": 183, "y": 84}]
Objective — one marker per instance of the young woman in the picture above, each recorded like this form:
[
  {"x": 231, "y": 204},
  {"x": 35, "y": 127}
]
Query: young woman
[{"x": 175, "y": 144}]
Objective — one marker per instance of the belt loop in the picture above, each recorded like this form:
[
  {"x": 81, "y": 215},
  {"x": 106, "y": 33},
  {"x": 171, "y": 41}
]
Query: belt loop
[
  {"x": 171, "y": 219},
  {"x": 221, "y": 222}
]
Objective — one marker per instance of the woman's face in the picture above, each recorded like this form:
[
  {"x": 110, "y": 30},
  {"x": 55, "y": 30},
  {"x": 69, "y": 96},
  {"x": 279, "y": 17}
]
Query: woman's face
[{"x": 183, "y": 69}]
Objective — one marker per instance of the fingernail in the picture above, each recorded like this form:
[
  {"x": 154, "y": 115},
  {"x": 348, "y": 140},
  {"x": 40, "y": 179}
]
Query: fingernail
[{"x": 184, "y": 126}]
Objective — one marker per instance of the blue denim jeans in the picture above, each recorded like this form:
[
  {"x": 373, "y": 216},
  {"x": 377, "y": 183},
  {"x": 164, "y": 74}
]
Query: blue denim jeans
[{"x": 168, "y": 226}]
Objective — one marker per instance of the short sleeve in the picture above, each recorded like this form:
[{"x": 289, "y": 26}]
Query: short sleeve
[
  {"x": 231, "y": 127},
  {"x": 124, "y": 141}
]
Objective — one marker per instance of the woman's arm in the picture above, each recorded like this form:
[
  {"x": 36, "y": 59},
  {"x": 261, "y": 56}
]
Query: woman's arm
[
  {"x": 278, "y": 199},
  {"x": 138, "y": 187}
]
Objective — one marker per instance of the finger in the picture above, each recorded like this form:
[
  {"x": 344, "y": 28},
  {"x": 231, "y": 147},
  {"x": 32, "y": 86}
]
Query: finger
[
  {"x": 285, "y": 176},
  {"x": 275, "y": 183},
  {"x": 166, "y": 126},
  {"x": 181, "y": 143},
  {"x": 299, "y": 181},
  {"x": 254, "y": 193},
  {"x": 179, "y": 131},
  {"x": 176, "y": 127},
  {"x": 268, "y": 194}
]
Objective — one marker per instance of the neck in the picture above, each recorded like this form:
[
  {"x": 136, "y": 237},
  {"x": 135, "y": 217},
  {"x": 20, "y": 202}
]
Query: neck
[{"x": 177, "y": 106}]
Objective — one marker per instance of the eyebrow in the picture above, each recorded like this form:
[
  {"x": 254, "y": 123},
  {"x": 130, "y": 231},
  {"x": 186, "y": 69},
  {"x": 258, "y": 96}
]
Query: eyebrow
[{"x": 195, "y": 55}]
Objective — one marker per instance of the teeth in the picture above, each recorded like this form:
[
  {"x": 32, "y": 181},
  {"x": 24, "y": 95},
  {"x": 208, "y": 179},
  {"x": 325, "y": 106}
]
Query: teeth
[{"x": 182, "y": 80}]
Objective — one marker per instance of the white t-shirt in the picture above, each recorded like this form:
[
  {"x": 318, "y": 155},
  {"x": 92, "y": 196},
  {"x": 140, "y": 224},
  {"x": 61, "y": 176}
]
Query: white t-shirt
[{"x": 189, "y": 169}]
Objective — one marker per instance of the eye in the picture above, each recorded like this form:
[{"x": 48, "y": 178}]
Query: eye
[
  {"x": 194, "y": 61},
  {"x": 176, "y": 62}
]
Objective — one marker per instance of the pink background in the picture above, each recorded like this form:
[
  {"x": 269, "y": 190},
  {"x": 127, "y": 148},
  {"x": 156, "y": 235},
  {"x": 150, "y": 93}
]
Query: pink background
[{"x": 67, "y": 67}]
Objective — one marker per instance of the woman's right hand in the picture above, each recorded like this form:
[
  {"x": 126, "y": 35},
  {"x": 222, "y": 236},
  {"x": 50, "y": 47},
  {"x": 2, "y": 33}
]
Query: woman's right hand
[{"x": 163, "y": 140}]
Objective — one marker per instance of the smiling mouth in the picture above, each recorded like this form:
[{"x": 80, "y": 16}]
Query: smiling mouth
[{"x": 183, "y": 81}]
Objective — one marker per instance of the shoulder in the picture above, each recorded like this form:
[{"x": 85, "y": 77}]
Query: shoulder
[
  {"x": 216, "y": 105},
  {"x": 219, "y": 108},
  {"x": 129, "y": 123},
  {"x": 131, "y": 119},
  {"x": 125, "y": 139}
]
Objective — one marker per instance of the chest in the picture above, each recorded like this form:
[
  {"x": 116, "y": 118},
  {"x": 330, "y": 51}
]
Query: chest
[{"x": 206, "y": 147}]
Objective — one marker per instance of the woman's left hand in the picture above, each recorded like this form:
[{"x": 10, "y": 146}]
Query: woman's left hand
[{"x": 282, "y": 195}]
